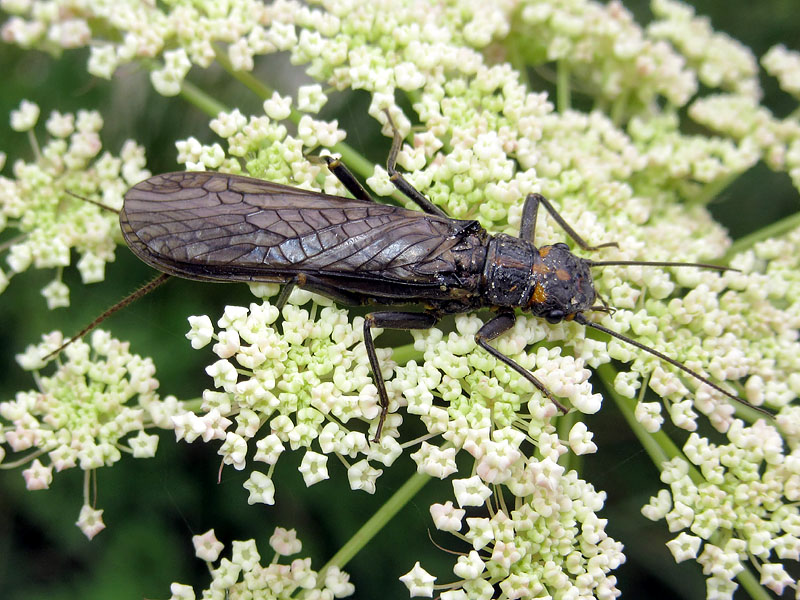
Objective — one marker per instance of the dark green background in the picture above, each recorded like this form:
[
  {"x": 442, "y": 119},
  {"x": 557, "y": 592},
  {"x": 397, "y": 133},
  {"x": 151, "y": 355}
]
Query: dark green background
[{"x": 153, "y": 507}]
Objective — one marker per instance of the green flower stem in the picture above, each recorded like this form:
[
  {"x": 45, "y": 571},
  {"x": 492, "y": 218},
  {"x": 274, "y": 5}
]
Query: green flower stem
[
  {"x": 658, "y": 445},
  {"x": 402, "y": 354},
  {"x": 192, "y": 94},
  {"x": 248, "y": 80},
  {"x": 712, "y": 190},
  {"x": 37, "y": 152},
  {"x": 22, "y": 461},
  {"x": 617, "y": 112},
  {"x": 770, "y": 231},
  {"x": 750, "y": 583},
  {"x": 376, "y": 522},
  {"x": 568, "y": 460},
  {"x": 197, "y": 97},
  {"x": 563, "y": 95}
]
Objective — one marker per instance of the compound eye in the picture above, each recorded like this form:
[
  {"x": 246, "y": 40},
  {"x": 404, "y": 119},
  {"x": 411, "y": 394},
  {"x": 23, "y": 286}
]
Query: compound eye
[
  {"x": 555, "y": 316},
  {"x": 561, "y": 246}
]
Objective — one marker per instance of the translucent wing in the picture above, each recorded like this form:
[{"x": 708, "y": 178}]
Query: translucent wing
[{"x": 214, "y": 226}]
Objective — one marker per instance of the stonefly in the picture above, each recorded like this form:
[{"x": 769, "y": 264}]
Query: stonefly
[{"x": 219, "y": 227}]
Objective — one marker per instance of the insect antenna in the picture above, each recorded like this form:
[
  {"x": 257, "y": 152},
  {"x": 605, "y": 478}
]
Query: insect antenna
[
  {"x": 650, "y": 263},
  {"x": 132, "y": 297},
  {"x": 584, "y": 321},
  {"x": 135, "y": 295},
  {"x": 95, "y": 202}
]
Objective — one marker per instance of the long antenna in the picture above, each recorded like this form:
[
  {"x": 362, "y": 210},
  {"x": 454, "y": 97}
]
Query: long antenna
[
  {"x": 142, "y": 291},
  {"x": 584, "y": 321},
  {"x": 649, "y": 263},
  {"x": 95, "y": 202}
]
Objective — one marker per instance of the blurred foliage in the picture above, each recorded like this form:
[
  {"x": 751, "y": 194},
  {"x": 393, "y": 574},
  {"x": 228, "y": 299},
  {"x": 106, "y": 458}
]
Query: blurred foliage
[{"x": 153, "y": 507}]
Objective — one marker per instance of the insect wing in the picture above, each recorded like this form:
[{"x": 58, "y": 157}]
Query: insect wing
[{"x": 221, "y": 227}]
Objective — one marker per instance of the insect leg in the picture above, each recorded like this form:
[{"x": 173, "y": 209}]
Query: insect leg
[
  {"x": 494, "y": 329},
  {"x": 343, "y": 174},
  {"x": 399, "y": 181},
  {"x": 318, "y": 286},
  {"x": 530, "y": 210},
  {"x": 389, "y": 320}
]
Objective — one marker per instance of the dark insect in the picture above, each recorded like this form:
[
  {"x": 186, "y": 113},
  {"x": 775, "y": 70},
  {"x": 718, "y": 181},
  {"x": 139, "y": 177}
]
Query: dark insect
[{"x": 218, "y": 227}]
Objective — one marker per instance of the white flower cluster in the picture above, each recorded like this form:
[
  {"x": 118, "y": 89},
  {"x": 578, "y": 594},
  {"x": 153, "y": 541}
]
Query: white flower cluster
[
  {"x": 97, "y": 405},
  {"x": 243, "y": 576},
  {"x": 307, "y": 379},
  {"x": 40, "y": 202},
  {"x": 785, "y": 65},
  {"x": 718, "y": 60},
  {"x": 553, "y": 541},
  {"x": 301, "y": 379},
  {"x": 310, "y": 380},
  {"x": 731, "y": 501}
]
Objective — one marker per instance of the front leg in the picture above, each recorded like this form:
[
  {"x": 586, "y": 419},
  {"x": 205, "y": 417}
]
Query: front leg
[
  {"x": 530, "y": 210},
  {"x": 494, "y": 329}
]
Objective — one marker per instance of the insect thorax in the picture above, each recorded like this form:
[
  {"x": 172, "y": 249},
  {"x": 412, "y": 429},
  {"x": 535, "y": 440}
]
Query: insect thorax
[
  {"x": 507, "y": 271},
  {"x": 550, "y": 282}
]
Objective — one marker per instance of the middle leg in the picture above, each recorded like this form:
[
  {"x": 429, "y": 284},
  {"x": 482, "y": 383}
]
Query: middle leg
[{"x": 389, "y": 320}]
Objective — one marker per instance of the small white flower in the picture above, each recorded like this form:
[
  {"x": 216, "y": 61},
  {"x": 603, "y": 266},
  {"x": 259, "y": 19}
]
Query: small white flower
[
  {"x": 181, "y": 592},
  {"x": 313, "y": 467},
  {"x": 418, "y": 581},
  {"x": 206, "y": 546},
  {"x": 447, "y": 517},
  {"x": 261, "y": 488},
  {"x": 245, "y": 554},
  {"x": 471, "y": 491},
  {"x": 269, "y": 449},
  {"x": 56, "y": 293},
  {"x": 285, "y": 542},
  {"x": 103, "y": 61},
  {"x": 278, "y": 107},
  {"x": 649, "y": 415},
  {"x": 90, "y": 521},
  {"x": 470, "y": 566},
  {"x": 25, "y": 117},
  {"x": 684, "y": 547},
  {"x": 144, "y": 445},
  {"x": 37, "y": 476},
  {"x": 201, "y": 332},
  {"x": 580, "y": 439},
  {"x": 310, "y": 98},
  {"x": 362, "y": 476},
  {"x": 480, "y": 532}
]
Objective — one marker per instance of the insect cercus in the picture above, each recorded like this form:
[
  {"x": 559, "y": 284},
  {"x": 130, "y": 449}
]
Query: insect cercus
[{"x": 221, "y": 227}]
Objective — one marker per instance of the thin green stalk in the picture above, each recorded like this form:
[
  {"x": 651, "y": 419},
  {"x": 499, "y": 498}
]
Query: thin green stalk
[
  {"x": 376, "y": 522},
  {"x": 658, "y": 445},
  {"x": 568, "y": 460},
  {"x": 563, "y": 92},
  {"x": 248, "y": 80},
  {"x": 192, "y": 94},
  {"x": 402, "y": 354},
  {"x": 713, "y": 190},
  {"x": 197, "y": 97},
  {"x": 774, "y": 230},
  {"x": 750, "y": 583}
]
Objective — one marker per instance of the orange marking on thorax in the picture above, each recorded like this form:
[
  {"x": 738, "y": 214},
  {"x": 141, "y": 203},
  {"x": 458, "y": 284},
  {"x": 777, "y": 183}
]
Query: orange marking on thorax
[
  {"x": 539, "y": 294},
  {"x": 540, "y": 269},
  {"x": 563, "y": 275}
]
